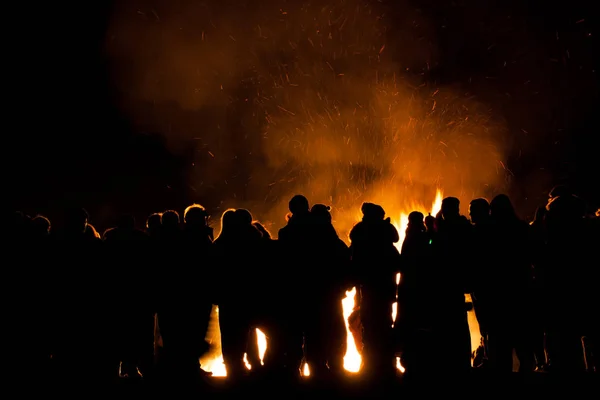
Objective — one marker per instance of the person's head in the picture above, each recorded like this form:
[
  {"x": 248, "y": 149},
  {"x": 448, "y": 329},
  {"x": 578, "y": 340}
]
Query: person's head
[
  {"x": 243, "y": 216},
  {"x": 566, "y": 207},
  {"x": 154, "y": 221},
  {"x": 41, "y": 225},
  {"x": 372, "y": 212},
  {"x": 416, "y": 218},
  {"x": 170, "y": 219},
  {"x": 479, "y": 210},
  {"x": 265, "y": 232},
  {"x": 92, "y": 231},
  {"x": 299, "y": 205},
  {"x": 450, "y": 208},
  {"x": 560, "y": 190},
  {"x": 430, "y": 223},
  {"x": 228, "y": 221},
  {"x": 321, "y": 213},
  {"x": 76, "y": 219},
  {"x": 195, "y": 215},
  {"x": 501, "y": 208},
  {"x": 416, "y": 222}
]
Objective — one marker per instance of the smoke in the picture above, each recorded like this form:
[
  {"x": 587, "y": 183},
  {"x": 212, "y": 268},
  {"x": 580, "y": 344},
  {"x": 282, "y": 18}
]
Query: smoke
[{"x": 322, "y": 98}]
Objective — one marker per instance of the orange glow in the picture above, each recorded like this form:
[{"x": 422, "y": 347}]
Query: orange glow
[
  {"x": 262, "y": 345},
  {"x": 305, "y": 370},
  {"x": 213, "y": 361},
  {"x": 473, "y": 326},
  {"x": 402, "y": 222},
  {"x": 352, "y": 359}
]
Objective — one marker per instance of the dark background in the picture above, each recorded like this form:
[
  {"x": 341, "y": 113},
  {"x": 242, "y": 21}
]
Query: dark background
[{"x": 67, "y": 143}]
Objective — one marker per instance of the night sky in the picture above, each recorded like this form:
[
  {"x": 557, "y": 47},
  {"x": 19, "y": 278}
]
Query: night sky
[{"x": 70, "y": 143}]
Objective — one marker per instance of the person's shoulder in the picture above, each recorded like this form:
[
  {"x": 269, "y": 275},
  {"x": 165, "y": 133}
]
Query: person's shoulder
[
  {"x": 283, "y": 231},
  {"x": 140, "y": 234},
  {"x": 465, "y": 223},
  {"x": 358, "y": 227},
  {"x": 341, "y": 244},
  {"x": 109, "y": 233}
]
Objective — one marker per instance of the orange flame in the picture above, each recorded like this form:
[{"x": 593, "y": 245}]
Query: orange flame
[
  {"x": 402, "y": 221},
  {"x": 213, "y": 361},
  {"x": 352, "y": 359}
]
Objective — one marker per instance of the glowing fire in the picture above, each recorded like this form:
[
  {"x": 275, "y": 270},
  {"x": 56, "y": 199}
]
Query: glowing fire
[
  {"x": 402, "y": 221},
  {"x": 352, "y": 359},
  {"x": 213, "y": 361}
]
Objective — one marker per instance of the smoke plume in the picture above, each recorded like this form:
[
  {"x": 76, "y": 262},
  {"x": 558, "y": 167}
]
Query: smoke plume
[{"x": 326, "y": 98}]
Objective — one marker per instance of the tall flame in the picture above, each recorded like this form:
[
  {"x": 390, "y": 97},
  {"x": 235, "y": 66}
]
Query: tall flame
[
  {"x": 402, "y": 221},
  {"x": 213, "y": 361},
  {"x": 262, "y": 345},
  {"x": 352, "y": 359}
]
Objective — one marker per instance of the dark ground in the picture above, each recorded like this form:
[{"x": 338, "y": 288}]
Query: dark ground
[{"x": 537, "y": 384}]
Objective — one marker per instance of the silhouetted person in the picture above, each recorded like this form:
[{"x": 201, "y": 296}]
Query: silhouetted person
[
  {"x": 82, "y": 296},
  {"x": 125, "y": 232},
  {"x": 537, "y": 242},
  {"x": 196, "y": 227},
  {"x": 261, "y": 314},
  {"x": 568, "y": 282},
  {"x": 416, "y": 299},
  {"x": 265, "y": 233},
  {"x": 481, "y": 246},
  {"x": 560, "y": 190},
  {"x": 430, "y": 224},
  {"x": 538, "y": 225},
  {"x": 170, "y": 228},
  {"x": 179, "y": 337},
  {"x": 19, "y": 226},
  {"x": 293, "y": 240},
  {"x": 509, "y": 290},
  {"x": 199, "y": 275},
  {"x": 91, "y": 232},
  {"x": 375, "y": 262},
  {"x": 154, "y": 225},
  {"x": 563, "y": 205},
  {"x": 326, "y": 281},
  {"x": 592, "y": 298},
  {"x": 27, "y": 271},
  {"x": 298, "y": 220},
  {"x": 454, "y": 233},
  {"x": 479, "y": 211},
  {"x": 128, "y": 247},
  {"x": 237, "y": 250},
  {"x": 41, "y": 227}
]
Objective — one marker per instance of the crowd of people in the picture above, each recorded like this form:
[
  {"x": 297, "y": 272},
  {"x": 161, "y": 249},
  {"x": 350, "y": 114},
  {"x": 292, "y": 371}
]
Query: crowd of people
[{"x": 85, "y": 304}]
